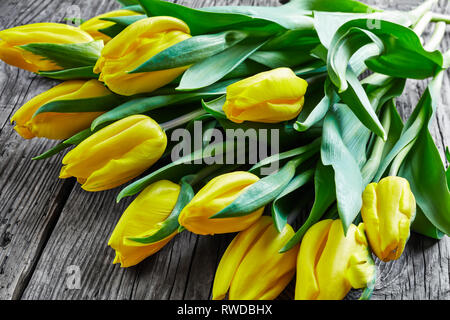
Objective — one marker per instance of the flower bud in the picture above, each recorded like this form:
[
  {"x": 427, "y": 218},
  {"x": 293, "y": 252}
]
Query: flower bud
[
  {"x": 94, "y": 25},
  {"x": 252, "y": 267},
  {"x": 57, "y": 33},
  {"x": 388, "y": 209},
  {"x": 143, "y": 218},
  {"x": 268, "y": 97},
  {"x": 135, "y": 45},
  {"x": 115, "y": 154},
  {"x": 329, "y": 263},
  {"x": 212, "y": 198},
  {"x": 53, "y": 125}
]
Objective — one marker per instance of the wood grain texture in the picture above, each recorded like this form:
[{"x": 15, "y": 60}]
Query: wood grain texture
[{"x": 51, "y": 228}]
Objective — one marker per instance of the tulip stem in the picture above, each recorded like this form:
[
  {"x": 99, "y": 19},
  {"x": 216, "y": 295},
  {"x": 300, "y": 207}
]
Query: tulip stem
[
  {"x": 395, "y": 167},
  {"x": 439, "y": 17},
  {"x": 370, "y": 168},
  {"x": 436, "y": 37},
  {"x": 177, "y": 122},
  {"x": 417, "y": 13}
]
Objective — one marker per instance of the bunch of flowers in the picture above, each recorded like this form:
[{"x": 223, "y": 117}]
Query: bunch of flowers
[{"x": 323, "y": 75}]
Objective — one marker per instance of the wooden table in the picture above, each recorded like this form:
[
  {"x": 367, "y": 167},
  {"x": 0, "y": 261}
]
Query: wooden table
[{"x": 51, "y": 231}]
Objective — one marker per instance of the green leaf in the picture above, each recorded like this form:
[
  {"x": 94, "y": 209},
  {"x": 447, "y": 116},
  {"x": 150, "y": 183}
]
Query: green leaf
[
  {"x": 356, "y": 99},
  {"x": 191, "y": 51},
  {"x": 279, "y": 214},
  {"x": 74, "y": 140},
  {"x": 146, "y": 104},
  {"x": 348, "y": 179},
  {"x": 71, "y": 74},
  {"x": 215, "y": 107},
  {"x": 128, "y": 2},
  {"x": 313, "y": 112},
  {"x": 423, "y": 226},
  {"x": 96, "y": 104},
  {"x": 400, "y": 55},
  {"x": 325, "y": 195},
  {"x": 285, "y": 58},
  {"x": 335, "y": 5},
  {"x": 447, "y": 173},
  {"x": 260, "y": 193},
  {"x": 186, "y": 165},
  {"x": 214, "y": 68},
  {"x": 306, "y": 152},
  {"x": 73, "y": 55},
  {"x": 343, "y": 48},
  {"x": 170, "y": 225},
  {"x": 120, "y": 23},
  {"x": 201, "y": 21}
]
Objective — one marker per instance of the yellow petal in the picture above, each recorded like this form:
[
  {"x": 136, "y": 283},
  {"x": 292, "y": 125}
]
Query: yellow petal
[
  {"x": 135, "y": 45},
  {"x": 311, "y": 248},
  {"x": 53, "y": 125},
  {"x": 11, "y": 39},
  {"x": 264, "y": 272},
  {"x": 268, "y": 97},
  {"x": 212, "y": 198},
  {"x": 234, "y": 254},
  {"x": 387, "y": 211},
  {"x": 152, "y": 206},
  {"x": 92, "y": 26},
  {"x": 116, "y": 153}
]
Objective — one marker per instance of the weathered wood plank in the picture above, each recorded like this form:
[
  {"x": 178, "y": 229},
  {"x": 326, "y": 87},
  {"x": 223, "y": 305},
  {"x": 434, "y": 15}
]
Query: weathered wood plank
[
  {"x": 31, "y": 195},
  {"x": 184, "y": 269}
]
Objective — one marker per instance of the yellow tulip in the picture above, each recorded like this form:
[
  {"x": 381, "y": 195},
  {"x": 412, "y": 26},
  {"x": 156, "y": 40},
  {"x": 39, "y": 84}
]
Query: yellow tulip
[
  {"x": 388, "y": 209},
  {"x": 135, "y": 45},
  {"x": 115, "y": 154},
  {"x": 143, "y": 218},
  {"x": 57, "y": 33},
  {"x": 92, "y": 26},
  {"x": 212, "y": 198},
  {"x": 329, "y": 263},
  {"x": 268, "y": 97},
  {"x": 54, "y": 125},
  {"x": 252, "y": 267}
]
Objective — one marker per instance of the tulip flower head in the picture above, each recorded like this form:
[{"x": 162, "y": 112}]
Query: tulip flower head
[
  {"x": 135, "y": 45},
  {"x": 212, "y": 198},
  {"x": 268, "y": 97},
  {"x": 115, "y": 154},
  {"x": 57, "y": 33},
  {"x": 94, "y": 25},
  {"x": 329, "y": 263},
  {"x": 54, "y": 125},
  {"x": 388, "y": 209},
  {"x": 143, "y": 218},
  {"x": 252, "y": 267}
]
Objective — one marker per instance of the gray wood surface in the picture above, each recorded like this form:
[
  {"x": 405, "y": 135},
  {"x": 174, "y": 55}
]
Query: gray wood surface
[{"x": 51, "y": 230}]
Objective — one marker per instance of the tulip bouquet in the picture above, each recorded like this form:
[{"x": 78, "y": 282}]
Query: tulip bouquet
[{"x": 322, "y": 75}]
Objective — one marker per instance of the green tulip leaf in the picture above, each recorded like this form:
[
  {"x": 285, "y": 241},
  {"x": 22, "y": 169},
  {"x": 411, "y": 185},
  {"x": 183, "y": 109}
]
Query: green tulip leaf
[
  {"x": 192, "y": 50},
  {"x": 97, "y": 104},
  {"x": 261, "y": 192},
  {"x": 147, "y": 104},
  {"x": 214, "y": 107},
  {"x": 74, "y": 140},
  {"x": 325, "y": 195},
  {"x": 279, "y": 214},
  {"x": 71, "y": 74},
  {"x": 212, "y": 69},
  {"x": 68, "y": 56},
  {"x": 170, "y": 225}
]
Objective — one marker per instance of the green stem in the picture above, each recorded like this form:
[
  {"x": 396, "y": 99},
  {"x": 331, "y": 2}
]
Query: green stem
[
  {"x": 371, "y": 166},
  {"x": 177, "y": 122},
  {"x": 437, "y": 17},
  {"x": 398, "y": 160},
  {"x": 417, "y": 13},
  {"x": 423, "y": 22},
  {"x": 437, "y": 36}
]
